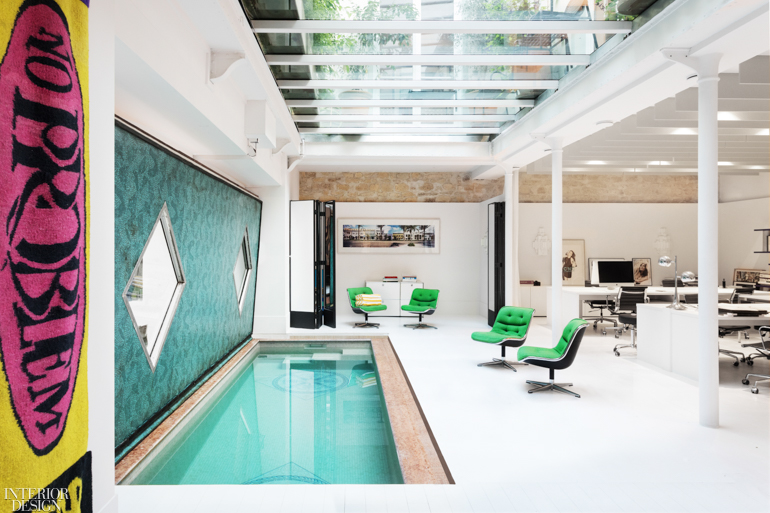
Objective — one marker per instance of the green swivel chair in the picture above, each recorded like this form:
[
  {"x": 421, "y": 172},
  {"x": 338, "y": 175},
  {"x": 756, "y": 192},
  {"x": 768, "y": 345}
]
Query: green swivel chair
[
  {"x": 559, "y": 357},
  {"x": 510, "y": 330},
  {"x": 423, "y": 302},
  {"x": 366, "y": 310}
]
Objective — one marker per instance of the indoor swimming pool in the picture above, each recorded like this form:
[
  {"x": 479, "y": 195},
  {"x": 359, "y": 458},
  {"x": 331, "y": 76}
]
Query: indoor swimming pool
[{"x": 289, "y": 412}]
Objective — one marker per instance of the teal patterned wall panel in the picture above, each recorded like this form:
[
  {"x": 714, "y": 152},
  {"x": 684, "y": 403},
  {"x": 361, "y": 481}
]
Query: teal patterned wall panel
[{"x": 208, "y": 218}]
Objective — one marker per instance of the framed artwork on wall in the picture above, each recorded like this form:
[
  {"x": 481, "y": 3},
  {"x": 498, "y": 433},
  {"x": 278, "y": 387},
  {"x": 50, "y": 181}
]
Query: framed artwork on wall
[
  {"x": 642, "y": 271},
  {"x": 392, "y": 236},
  {"x": 573, "y": 257},
  {"x": 746, "y": 275}
]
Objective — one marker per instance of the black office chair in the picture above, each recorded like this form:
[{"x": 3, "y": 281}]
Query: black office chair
[
  {"x": 669, "y": 282},
  {"x": 692, "y": 299},
  {"x": 625, "y": 309},
  {"x": 601, "y": 305},
  {"x": 763, "y": 351}
]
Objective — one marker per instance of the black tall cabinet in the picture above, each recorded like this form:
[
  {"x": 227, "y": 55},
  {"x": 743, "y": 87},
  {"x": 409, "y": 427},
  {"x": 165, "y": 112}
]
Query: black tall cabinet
[
  {"x": 311, "y": 264},
  {"x": 495, "y": 260}
]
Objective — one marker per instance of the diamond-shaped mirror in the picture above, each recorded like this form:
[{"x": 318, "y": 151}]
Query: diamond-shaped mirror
[
  {"x": 242, "y": 270},
  {"x": 153, "y": 291}
]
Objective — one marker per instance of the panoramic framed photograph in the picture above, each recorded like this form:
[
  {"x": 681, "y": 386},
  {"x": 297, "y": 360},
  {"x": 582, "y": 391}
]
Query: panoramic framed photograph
[
  {"x": 642, "y": 271},
  {"x": 393, "y": 236},
  {"x": 573, "y": 257},
  {"x": 746, "y": 275}
]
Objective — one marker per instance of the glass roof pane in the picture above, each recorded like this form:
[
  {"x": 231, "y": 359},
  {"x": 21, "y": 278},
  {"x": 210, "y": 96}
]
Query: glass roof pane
[
  {"x": 404, "y": 111},
  {"x": 426, "y": 10},
  {"x": 396, "y": 124},
  {"x": 407, "y": 94},
  {"x": 376, "y": 72},
  {"x": 430, "y": 44}
]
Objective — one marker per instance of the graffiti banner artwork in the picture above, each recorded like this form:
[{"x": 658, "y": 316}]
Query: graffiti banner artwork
[{"x": 43, "y": 239}]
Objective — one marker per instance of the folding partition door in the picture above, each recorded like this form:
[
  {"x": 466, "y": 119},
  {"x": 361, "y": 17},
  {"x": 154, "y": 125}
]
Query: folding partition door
[{"x": 311, "y": 264}]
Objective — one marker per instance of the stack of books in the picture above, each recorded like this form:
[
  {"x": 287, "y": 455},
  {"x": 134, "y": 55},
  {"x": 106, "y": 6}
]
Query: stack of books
[
  {"x": 409, "y": 278},
  {"x": 390, "y": 278},
  {"x": 368, "y": 379},
  {"x": 526, "y": 282}
]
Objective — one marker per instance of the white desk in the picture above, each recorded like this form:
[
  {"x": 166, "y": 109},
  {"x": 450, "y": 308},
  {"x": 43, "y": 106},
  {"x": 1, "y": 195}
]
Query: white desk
[
  {"x": 668, "y": 338},
  {"x": 756, "y": 297},
  {"x": 573, "y": 298}
]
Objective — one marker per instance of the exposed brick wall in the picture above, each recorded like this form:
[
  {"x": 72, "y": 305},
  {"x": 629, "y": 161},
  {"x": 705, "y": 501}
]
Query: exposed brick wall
[
  {"x": 460, "y": 188},
  {"x": 398, "y": 187},
  {"x": 620, "y": 188}
]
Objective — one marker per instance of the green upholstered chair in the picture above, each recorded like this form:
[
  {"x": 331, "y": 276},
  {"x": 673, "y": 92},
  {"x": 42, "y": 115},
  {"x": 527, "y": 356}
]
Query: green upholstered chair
[
  {"x": 510, "y": 330},
  {"x": 366, "y": 310},
  {"x": 423, "y": 302},
  {"x": 555, "y": 358}
]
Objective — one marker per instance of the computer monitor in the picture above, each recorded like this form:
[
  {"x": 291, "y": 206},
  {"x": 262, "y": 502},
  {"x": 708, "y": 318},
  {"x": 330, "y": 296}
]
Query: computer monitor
[
  {"x": 593, "y": 268},
  {"x": 616, "y": 273}
]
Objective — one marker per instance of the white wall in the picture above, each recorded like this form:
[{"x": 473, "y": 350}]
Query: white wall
[
  {"x": 737, "y": 239},
  {"x": 743, "y": 187},
  {"x": 101, "y": 290},
  {"x": 612, "y": 230},
  {"x": 271, "y": 305},
  {"x": 454, "y": 271}
]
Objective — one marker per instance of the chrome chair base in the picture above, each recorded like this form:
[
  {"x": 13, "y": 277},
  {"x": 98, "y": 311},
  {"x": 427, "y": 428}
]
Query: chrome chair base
[
  {"x": 367, "y": 325},
  {"x": 420, "y": 326},
  {"x": 739, "y": 357},
  {"x": 542, "y": 386},
  {"x": 632, "y": 345},
  {"x": 504, "y": 363},
  {"x": 755, "y": 389},
  {"x": 753, "y": 356}
]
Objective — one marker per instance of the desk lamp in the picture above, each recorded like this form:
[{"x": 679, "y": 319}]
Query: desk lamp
[{"x": 666, "y": 262}]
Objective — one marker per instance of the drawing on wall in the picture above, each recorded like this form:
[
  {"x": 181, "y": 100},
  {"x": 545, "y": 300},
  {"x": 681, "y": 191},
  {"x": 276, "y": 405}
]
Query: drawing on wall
[
  {"x": 573, "y": 272},
  {"x": 388, "y": 236},
  {"x": 43, "y": 201},
  {"x": 642, "y": 271}
]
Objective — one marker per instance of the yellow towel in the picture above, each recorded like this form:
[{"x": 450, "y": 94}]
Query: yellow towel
[{"x": 368, "y": 299}]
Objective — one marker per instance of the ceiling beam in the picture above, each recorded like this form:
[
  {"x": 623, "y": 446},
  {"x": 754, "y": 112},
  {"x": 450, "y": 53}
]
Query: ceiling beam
[
  {"x": 428, "y": 60},
  {"x": 439, "y": 27},
  {"x": 412, "y": 103},
  {"x": 418, "y": 84},
  {"x": 406, "y": 118},
  {"x": 401, "y": 130}
]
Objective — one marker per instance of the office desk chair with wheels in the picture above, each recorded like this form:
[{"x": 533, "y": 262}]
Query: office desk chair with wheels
[
  {"x": 601, "y": 305},
  {"x": 366, "y": 310},
  {"x": 692, "y": 299},
  {"x": 625, "y": 309},
  {"x": 556, "y": 358},
  {"x": 510, "y": 330},
  {"x": 423, "y": 302},
  {"x": 763, "y": 351}
]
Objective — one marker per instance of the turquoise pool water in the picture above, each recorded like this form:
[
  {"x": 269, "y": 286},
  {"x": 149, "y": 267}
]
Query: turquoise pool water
[{"x": 292, "y": 413}]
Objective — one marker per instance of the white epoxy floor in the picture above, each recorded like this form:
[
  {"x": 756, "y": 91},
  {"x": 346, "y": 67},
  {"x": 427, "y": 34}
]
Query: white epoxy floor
[{"x": 631, "y": 443}]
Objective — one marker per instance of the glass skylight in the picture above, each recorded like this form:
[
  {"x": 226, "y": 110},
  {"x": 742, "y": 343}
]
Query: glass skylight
[{"x": 367, "y": 58}]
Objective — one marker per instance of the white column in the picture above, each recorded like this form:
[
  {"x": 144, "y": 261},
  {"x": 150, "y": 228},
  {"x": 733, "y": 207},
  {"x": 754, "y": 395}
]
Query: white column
[
  {"x": 515, "y": 235},
  {"x": 708, "y": 239},
  {"x": 707, "y": 68},
  {"x": 101, "y": 261},
  {"x": 556, "y": 238},
  {"x": 511, "y": 189}
]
